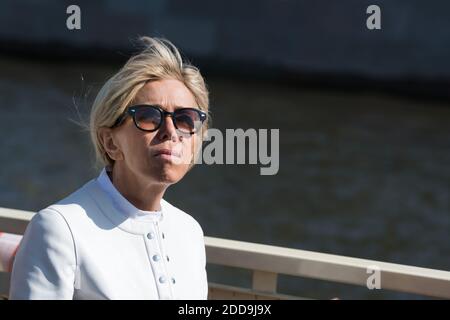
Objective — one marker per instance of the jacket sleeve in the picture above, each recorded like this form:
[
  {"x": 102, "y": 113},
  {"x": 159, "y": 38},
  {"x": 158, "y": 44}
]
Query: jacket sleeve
[
  {"x": 204, "y": 277},
  {"x": 45, "y": 263},
  {"x": 203, "y": 274}
]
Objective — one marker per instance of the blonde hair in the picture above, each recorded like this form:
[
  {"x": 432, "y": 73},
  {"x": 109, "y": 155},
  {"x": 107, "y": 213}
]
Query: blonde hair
[{"x": 158, "y": 60}]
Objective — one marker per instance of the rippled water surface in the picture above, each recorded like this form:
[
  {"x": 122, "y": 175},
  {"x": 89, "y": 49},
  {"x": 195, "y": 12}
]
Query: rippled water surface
[{"x": 361, "y": 174}]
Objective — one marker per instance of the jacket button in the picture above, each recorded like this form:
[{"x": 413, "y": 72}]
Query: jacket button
[
  {"x": 162, "y": 279},
  {"x": 163, "y": 236},
  {"x": 156, "y": 257},
  {"x": 173, "y": 280},
  {"x": 167, "y": 257},
  {"x": 150, "y": 235}
]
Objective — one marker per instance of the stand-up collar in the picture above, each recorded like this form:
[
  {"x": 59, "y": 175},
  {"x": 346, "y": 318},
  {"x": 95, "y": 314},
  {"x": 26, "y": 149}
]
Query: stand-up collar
[
  {"x": 122, "y": 204},
  {"x": 136, "y": 226}
]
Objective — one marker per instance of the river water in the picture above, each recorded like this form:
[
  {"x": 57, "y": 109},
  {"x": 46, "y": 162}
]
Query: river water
[{"x": 361, "y": 174}]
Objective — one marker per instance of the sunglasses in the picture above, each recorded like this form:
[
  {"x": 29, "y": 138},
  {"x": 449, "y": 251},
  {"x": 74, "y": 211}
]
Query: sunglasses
[{"x": 150, "y": 118}]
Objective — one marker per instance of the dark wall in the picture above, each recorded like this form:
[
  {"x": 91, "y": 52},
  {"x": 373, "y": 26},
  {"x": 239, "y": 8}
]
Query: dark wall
[{"x": 297, "y": 36}]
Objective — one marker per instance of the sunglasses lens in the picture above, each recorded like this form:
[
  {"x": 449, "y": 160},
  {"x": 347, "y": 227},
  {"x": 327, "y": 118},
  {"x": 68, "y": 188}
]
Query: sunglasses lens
[
  {"x": 188, "y": 120},
  {"x": 148, "y": 118}
]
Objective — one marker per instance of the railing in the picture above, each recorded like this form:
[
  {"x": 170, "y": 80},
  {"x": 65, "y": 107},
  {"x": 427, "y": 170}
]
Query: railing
[{"x": 267, "y": 262}]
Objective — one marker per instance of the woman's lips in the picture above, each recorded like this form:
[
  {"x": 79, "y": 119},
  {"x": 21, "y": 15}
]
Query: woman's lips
[{"x": 167, "y": 154}]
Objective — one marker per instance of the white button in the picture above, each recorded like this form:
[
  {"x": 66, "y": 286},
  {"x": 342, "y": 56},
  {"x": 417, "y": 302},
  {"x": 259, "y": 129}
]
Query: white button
[
  {"x": 162, "y": 279},
  {"x": 150, "y": 235},
  {"x": 156, "y": 257}
]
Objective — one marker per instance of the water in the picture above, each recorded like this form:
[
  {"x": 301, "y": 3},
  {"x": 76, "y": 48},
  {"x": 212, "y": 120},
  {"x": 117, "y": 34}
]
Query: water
[{"x": 361, "y": 174}]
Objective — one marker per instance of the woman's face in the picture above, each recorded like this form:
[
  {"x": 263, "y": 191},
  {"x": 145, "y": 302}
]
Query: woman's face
[{"x": 141, "y": 151}]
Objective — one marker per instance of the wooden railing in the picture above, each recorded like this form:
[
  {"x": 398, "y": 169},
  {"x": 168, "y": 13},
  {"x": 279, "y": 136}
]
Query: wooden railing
[{"x": 267, "y": 262}]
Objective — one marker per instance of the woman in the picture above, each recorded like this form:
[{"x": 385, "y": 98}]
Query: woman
[{"x": 116, "y": 237}]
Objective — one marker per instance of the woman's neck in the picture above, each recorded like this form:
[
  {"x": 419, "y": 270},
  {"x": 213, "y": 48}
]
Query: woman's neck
[{"x": 143, "y": 195}]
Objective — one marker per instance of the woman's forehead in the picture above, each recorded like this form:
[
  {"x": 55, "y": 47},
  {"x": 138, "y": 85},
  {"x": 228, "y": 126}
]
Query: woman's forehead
[{"x": 166, "y": 93}]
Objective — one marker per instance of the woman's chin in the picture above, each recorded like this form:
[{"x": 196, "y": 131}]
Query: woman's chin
[{"x": 167, "y": 173}]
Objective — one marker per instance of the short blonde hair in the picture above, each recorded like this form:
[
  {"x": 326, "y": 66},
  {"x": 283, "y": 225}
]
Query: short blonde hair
[{"x": 158, "y": 60}]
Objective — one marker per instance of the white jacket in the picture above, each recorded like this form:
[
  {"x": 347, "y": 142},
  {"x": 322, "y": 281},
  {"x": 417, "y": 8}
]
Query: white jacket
[{"x": 82, "y": 247}]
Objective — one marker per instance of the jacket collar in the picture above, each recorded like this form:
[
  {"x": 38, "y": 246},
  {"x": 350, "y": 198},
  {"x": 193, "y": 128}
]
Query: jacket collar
[
  {"x": 121, "y": 203},
  {"x": 135, "y": 226}
]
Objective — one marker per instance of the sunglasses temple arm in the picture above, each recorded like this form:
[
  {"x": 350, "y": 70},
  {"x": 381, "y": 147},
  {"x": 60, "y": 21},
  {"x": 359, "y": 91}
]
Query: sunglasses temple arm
[{"x": 119, "y": 120}]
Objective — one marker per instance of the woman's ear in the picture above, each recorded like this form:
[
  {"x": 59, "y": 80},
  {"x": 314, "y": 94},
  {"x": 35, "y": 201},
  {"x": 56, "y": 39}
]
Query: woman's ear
[{"x": 109, "y": 143}]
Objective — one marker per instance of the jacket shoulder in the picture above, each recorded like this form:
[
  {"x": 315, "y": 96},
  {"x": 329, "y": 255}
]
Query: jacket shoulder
[
  {"x": 79, "y": 208},
  {"x": 181, "y": 216}
]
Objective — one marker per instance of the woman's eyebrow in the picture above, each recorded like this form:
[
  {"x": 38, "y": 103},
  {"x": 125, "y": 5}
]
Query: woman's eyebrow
[
  {"x": 178, "y": 107},
  {"x": 155, "y": 105},
  {"x": 175, "y": 107},
  {"x": 165, "y": 109}
]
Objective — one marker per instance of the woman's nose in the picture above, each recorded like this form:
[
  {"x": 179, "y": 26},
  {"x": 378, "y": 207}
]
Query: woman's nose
[{"x": 167, "y": 131}]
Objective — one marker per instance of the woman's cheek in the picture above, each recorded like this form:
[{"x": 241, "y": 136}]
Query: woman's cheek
[{"x": 185, "y": 150}]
